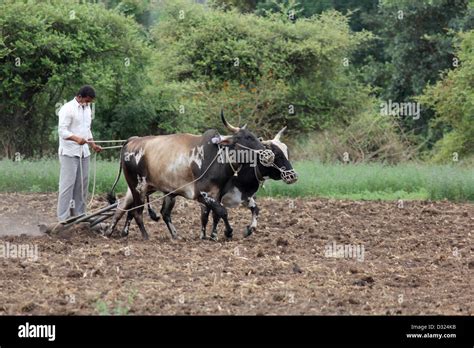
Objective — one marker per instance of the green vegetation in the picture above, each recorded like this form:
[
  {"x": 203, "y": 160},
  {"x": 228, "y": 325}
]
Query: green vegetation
[
  {"x": 208, "y": 58},
  {"x": 43, "y": 176},
  {"x": 453, "y": 100},
  {"x": 47, "y": 51},
  {"x": 343, "y": 181},
  {"x": 375, "y": 181},
  {"x": 322, "y": 68},
  {"x": 319, "y": 67},
  {"x": 118, "y": 308}
]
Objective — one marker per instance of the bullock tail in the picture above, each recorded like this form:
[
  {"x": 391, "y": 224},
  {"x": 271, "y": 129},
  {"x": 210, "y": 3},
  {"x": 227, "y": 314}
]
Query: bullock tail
[{"x": 111, "y": 198}]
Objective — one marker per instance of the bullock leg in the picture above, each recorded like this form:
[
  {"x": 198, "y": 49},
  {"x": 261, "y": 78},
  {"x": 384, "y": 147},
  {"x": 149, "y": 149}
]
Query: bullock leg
[
  {"x": 215, "y": 222},
  {"x": 139, "y": 191},
  {"x": 205, "y": 210},
  {"x": 138, "y": 215},
  {"x": 252, "y": 205},
  {"x": 138, "y": 201},
  {"x": 126, "y": 227},
  {"x": 127, "y": 203},
  {"x": 167, "y": 207},
  {"x": 217, "y": 209},
  {"x": 151, "y": 211}
]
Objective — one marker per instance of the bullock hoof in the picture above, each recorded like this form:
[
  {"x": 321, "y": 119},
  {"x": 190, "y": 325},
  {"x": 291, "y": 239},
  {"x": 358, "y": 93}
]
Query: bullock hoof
[
  {"x": 202, "y": 236},
  {"x": 213, "y": 237},
  {"x": 108, "y": 233},
  {"x": 153, "y": 215},
  {"x": 229, "y": 234},
  {"x": 249, "y": 231}
]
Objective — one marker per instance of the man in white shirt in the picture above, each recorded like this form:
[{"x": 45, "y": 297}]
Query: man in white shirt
[{"x": 74, "y": 130}]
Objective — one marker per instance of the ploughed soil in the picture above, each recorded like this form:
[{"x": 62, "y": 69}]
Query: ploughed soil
[{"x": 405, "y": 258}]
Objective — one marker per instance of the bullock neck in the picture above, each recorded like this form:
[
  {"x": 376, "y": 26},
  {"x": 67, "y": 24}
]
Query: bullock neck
[
  {"x": 235, "y": 171},
  {"x": 258, "y": 173}
]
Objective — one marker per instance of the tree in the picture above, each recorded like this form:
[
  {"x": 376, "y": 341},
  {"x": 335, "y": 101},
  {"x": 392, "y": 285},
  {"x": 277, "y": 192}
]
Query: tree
[
  {"x": 297, "y": 76},
  {"x": 244, "y": 6},
  {"x": 415, "y": 43},
  {"x": 452, "y": 99},
  {"x": 47, "y": 51}
]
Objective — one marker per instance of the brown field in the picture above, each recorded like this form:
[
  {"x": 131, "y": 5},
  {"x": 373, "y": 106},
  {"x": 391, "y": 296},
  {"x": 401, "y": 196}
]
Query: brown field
[{"x": 417, "y": 260}]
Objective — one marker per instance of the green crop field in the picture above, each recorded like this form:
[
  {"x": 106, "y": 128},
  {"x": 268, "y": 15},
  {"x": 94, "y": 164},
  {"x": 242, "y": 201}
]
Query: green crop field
[{"x": 342, "y": 181}]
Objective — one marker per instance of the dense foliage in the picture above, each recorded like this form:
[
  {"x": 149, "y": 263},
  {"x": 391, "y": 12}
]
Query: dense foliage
[
  {"x": 48, "y": 51},
  {"x": 323, "y": 68}
]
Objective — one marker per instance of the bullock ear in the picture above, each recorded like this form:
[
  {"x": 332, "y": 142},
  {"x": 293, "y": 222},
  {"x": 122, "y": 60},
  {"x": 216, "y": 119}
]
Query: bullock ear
[{"x": 226, "y": 140}]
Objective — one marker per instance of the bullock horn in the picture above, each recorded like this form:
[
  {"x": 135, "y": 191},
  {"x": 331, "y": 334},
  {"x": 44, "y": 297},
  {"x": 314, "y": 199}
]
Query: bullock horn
[
  {"x": 227, "y": 124},
  {"x": 277, "y": 137},
  {"x": 244, "y": 126}
]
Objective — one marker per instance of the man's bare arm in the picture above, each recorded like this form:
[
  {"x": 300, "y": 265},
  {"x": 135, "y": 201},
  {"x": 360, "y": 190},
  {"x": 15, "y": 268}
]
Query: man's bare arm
[
  {"x": 77, "y": 139},
  {"x": 95, "y": 147}
]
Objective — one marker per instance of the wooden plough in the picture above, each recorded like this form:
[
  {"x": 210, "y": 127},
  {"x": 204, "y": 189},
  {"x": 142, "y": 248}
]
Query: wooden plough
[{"x": 92, "y": 220}]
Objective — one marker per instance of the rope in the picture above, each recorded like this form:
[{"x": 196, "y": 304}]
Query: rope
[
  {"x": 95, "y": 164},
  {"x": 111, "y": 147},
  {"x": 236, "y": 172},
  {"x": 107, "y": 141},
  {"x": 93, "y": 185},
  {"x": 261, "y": 182},
  {"x": 82, "y": 176},
  {"x": 248, "y": 148}
]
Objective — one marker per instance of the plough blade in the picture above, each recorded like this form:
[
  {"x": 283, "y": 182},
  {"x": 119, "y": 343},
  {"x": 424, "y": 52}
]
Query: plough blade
[{"x": 92, "y": 219}]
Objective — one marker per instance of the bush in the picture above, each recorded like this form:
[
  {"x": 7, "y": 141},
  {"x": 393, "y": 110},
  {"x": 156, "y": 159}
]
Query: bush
[
  {"x": 452, "y": 98},
  {"x": 47, "y": 51},
  {"x": 267, "y": 72},
  {"x": 369, "y": 137}
]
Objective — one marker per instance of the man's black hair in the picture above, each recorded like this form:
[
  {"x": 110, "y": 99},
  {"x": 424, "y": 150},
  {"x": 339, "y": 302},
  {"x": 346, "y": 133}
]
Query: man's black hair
[{"x": 86, "y": 91}]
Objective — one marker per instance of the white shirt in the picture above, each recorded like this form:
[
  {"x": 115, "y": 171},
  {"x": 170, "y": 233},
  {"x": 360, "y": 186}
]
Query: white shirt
[{"x": 74, "y": 120}]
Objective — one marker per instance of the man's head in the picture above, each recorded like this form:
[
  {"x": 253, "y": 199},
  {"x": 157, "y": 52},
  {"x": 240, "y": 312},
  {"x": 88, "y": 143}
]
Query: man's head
[{"x": 85, "y": 95}]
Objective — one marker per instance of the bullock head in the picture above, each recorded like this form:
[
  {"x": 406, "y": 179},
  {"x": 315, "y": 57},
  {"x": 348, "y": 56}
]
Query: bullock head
[
  {"x": 281, "y": 167},
  {"x": 241, "y": 136}
]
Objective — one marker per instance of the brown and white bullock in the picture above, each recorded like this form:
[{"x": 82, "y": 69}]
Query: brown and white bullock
[{"x": 178, "y": 165}]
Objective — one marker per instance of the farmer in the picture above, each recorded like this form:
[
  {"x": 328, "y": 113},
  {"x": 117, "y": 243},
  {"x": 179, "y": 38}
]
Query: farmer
[{"x": 74, "y": 130}]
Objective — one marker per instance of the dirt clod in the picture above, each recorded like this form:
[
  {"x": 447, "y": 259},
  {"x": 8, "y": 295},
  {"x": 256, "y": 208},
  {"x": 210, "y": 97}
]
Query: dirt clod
[{"x": 364, "y": 281}]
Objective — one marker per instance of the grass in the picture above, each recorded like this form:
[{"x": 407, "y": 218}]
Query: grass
[
  {"x": 43, "y": 176},
  {"x": 118, "y": 308},
  {"x": 376, "y": 181},
  {"x": 365, "y": 181}
]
